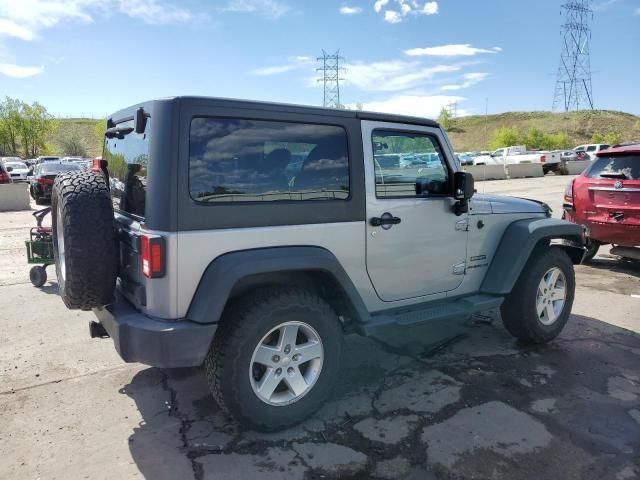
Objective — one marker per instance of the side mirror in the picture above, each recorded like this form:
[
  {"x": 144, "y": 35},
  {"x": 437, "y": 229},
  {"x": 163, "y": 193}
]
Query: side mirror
[
  {"x": 463, "y": 186},
  {"x": 140, "y": 120},
  {"x": 463, "y": 190}
]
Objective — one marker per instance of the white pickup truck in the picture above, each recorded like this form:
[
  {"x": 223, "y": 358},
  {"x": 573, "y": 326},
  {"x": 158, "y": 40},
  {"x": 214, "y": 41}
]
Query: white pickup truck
[{"x": 517, "y": 154}]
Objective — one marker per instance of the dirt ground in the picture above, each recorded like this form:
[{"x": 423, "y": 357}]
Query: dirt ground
[{"x": 454, "y": 400}]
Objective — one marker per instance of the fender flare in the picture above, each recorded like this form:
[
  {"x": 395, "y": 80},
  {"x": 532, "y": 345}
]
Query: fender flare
[
  {"x": 518, "y": 242},
  {"x": 224, "y": 272}
]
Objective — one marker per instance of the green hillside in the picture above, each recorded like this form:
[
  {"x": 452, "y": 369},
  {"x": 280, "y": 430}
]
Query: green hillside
[
  {"x": 472, "y": 132},
  {"x": 466, "y": 133}
]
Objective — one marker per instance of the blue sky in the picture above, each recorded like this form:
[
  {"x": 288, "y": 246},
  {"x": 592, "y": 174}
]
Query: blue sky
[{"x": 91, "y": 57}]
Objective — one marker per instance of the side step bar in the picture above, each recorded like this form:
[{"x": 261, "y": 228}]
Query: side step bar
[{"x": 460, "y": 308}]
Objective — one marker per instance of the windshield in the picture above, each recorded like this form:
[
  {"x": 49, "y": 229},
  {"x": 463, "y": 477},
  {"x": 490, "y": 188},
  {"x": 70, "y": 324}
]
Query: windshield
[
  {"x": 57, "y": 168},
  {"x": 16, "y": 165},
  {"x": 624, "y": 167},
  {"x": 127, "y": 161}
]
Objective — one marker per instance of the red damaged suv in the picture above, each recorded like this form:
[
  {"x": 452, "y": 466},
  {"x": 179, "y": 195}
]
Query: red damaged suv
[{"x": 605, "y": 199}]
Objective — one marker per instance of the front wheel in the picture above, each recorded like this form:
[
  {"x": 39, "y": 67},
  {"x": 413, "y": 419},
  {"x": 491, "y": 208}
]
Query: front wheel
[
  {"x": 275, "y": 357},
  {"x": 539, "y": 305}
]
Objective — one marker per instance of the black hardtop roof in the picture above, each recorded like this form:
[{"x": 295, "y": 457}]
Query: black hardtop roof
[{"x": 283, "y": 107}]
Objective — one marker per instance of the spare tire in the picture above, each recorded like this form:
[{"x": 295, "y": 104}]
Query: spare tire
[{"x": 84, "y": 240}]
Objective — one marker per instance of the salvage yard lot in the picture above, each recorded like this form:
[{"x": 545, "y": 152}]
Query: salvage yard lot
[{"x": 438, "y": 401}]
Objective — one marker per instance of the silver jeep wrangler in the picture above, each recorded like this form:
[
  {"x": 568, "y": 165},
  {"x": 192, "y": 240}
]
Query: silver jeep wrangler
[{"x": 251, "y": 237}]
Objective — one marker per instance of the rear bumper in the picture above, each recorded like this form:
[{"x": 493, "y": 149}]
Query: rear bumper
[
  {"x": 155, "y": 342},
  {"x": 615, "y": 233}
]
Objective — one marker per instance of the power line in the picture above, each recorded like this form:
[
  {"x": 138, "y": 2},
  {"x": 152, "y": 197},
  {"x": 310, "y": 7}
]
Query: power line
[
  {"x": 331, "y": 70},
  {"x": 573, "y": 86}
]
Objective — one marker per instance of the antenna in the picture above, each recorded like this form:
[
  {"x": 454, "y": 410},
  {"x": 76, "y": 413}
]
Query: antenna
[
  {"x": 573, "y": 86},
  {"x": 331, "y": 78}
]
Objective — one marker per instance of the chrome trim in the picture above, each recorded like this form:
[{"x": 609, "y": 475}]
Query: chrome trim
[{"x": 612, "y": 189}]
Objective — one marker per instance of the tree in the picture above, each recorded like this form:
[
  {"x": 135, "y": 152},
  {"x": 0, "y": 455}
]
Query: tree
[
  {"x": 24, "y": 127},
  {"x": 535, "y": 138},
  {"x": 504, "y": 137},
  {"x": 444, "y": 119},
  {"x": 612, "y": 138},
  {"x": 74, "y": 146},
  {"x": 597, "y": 138}
]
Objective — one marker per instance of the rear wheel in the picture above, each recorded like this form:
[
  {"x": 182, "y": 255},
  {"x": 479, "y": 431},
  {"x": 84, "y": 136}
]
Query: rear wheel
[
  {"x": 84, "y": 240},
  {"x": 539, "y": 305},
  {"x": 275, "y": 357}
]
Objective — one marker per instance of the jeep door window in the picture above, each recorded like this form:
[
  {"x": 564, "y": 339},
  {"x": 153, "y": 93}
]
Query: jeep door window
[
  {"x": 237, "y": 160},
  {"x": 408, "y": 164},
  {"x": 127, "y": 156}
]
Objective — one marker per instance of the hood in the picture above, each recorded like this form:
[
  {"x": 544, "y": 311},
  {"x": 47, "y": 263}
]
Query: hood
[{"x": 503, "y": 204}]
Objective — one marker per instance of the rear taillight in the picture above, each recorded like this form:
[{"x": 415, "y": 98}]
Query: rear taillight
[
  {"x": 45, "y": 181},
  {"x": 543, "y": 158},
  {"x": 152, "y": 256},
  {"x": 4, "y": 177},
  {"x": 568, "y": 191}
]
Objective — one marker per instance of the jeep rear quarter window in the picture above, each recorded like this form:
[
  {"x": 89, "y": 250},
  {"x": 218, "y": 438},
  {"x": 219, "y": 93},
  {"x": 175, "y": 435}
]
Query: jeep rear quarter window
[
  {"x": 237, "y": 160},
  {"x": 127, "y": 157}
]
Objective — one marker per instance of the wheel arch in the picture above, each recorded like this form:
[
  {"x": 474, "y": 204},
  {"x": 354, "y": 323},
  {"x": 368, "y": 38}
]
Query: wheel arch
[
  {"x": 235, "y": 274},
  {"x": 519, "y": 241}
]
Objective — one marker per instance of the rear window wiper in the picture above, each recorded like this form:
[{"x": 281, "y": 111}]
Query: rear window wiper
[
  {"x": 613, "y": 175},
  {"x": 116, "y": 132}
]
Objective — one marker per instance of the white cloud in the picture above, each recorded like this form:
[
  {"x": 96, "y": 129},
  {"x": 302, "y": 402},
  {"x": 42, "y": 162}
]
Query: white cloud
[
  {"x": 346, "y": 10},
  {"x": 392, "y": 76},
  {"x": 293, "y": 64},
  {"x": 400, "y": 9},
  {"x": 25, "y": 18},
  {"x": 430, "y": 8},
  {"x": 154, "y": 12},
  {"x": 414, "y": 105},
  {"x": 637, "y": 12},
  {"x": 453, "y": 50},
  {"x": 17, "y": 71},
  {"x": 11, "y": 29},
  {"x": 379, "y": 4},
  {"x": 268, "y": 8},
  {"x": 602, "y": 6},
  {"x": 392, "y": 16},
  {"x": 470, "y": 79}
]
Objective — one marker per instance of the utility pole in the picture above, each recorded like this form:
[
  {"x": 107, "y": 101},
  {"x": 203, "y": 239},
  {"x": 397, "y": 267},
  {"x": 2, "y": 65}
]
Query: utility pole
[
  {"x": 331, "y": 70},
  {"x": 573, "y": 86}
]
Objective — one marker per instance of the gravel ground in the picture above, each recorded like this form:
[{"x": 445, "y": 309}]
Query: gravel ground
[{"x": 454, "y": 400}]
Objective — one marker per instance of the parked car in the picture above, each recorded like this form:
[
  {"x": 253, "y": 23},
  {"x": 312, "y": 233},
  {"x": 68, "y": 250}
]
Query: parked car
[
  {"x": 4, "y": 175},
  {"x": 568, "y": 156},
  {"x": 466, "y": 158},
  {"x": 605, "y": 199},
  {"x": 47, "y": 158},
  {"x": 586, "y": 152},
  {"x": 10, "y": 159},
  {"x": 231, "y": 264},
  {"x": 19, "y": 171},
  {"x": 41, "y": 182},
  {"x": 519, "y": 154}
]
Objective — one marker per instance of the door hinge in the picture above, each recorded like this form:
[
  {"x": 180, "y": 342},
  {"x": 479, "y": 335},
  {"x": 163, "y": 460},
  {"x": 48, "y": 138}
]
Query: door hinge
[
  {"x": 462, "y": 225},
  {"x": 460, "y": 268}
]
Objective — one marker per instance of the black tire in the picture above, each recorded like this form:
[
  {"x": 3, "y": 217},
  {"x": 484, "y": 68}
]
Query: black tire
[
  {"x": 38, "y": 276},
  {"x": 591, "y": 251},
  {"x": 244, "y": 325},
  {"x": 81, "y": 201},
  {"x": 519, "y": 314}
]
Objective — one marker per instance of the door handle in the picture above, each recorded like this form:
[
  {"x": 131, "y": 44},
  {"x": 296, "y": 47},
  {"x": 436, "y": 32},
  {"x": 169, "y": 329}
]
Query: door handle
[{"x": 386, "y": 220}]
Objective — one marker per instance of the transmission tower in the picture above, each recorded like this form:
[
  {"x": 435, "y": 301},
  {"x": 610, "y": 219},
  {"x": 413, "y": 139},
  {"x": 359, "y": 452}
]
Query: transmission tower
[
  {"x": 573, "y": 86},
  {"x": 331, "y": 78}
]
